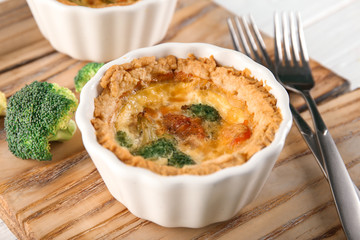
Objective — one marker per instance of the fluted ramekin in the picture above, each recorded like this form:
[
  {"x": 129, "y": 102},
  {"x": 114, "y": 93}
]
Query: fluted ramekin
[
  {"x": 184, "y": 200},
  {"x": 102, "y": 34}
]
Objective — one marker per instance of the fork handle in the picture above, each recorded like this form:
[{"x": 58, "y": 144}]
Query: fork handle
[{"x": 346, "y": 200}]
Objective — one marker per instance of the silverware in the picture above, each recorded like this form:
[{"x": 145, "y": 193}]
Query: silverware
[
  {"x": 265, "y": 60},
  {"x": 293, "y": 70},
  {"x": 240, "y": 42},
  {"x": 348, "y": 207}
]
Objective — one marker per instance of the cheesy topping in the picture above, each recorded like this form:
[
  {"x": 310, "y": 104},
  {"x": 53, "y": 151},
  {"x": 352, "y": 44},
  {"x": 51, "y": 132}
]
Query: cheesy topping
[
  {"x": 163, "y": 104},
  {"x": 183, "y": 116}
]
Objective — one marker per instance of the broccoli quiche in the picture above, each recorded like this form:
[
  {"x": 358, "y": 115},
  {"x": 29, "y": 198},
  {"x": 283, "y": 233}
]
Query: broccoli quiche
[{"x": 183, "y": 115}]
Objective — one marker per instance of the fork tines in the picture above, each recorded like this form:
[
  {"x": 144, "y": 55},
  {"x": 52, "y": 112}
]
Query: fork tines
[
  {"x": 247, "y": 39},
  {"x": 290, "y": 47}
]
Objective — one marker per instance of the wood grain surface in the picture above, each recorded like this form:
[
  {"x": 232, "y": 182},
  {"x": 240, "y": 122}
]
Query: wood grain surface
[{"x": 67, "y": 199}]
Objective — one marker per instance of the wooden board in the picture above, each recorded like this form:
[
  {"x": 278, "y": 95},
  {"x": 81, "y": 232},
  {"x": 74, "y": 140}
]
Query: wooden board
[{"x": 67, "y": 199}]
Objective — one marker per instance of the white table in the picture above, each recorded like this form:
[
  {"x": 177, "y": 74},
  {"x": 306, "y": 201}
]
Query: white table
[{"x": 332, "y": 31}]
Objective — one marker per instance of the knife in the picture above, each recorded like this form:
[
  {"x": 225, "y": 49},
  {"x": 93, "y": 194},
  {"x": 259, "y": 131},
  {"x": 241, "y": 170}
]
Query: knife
[{"x": 309, "y": 137}]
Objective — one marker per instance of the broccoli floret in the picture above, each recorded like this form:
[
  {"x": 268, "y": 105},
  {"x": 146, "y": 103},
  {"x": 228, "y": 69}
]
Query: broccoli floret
[
  {"x": 123, "y": 139},
  {"x": 179, "y": 159},
  {"x": 164, "y": 148},
  {"x": 203, "y": 111},
  {"x": 3, "y": 104},
  {"x": 159, "y": 148},
  {"x": 36, "y": 114},
  {"x": 85, "y": 74}
]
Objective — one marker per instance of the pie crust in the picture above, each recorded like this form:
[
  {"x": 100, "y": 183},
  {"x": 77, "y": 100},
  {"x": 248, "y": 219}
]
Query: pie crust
[
  {"x": 98, "y": 3},
  {"x": 122, "y": 82}
]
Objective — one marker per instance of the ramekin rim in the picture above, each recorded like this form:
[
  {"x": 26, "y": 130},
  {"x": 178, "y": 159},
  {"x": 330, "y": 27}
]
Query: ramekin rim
[{"x": 277, "y": 144}]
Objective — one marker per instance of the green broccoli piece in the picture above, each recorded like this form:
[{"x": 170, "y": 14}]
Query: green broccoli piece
[
  {"x": 156, "y": 149},
  {"x": 203, "y": 111},
  {"x": 123, "y": 139},
  {"x": 3, "y": 104},
  {"x": 164, "y": 148},
  {"x": 85, "y": 74},
  {"x": 179, "y": 159},
  {"x": 36, "y": 114}
]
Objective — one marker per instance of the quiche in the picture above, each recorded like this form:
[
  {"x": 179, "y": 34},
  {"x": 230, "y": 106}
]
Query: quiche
[
  {"x": 98, "y": 3},
  {"x": 183, "y": 115}
]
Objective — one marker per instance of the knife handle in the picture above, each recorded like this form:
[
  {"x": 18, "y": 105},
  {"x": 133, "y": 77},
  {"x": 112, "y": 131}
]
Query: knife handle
[
  {"x": 345, "y": 197},
  {"x": 309, "y": 137}
]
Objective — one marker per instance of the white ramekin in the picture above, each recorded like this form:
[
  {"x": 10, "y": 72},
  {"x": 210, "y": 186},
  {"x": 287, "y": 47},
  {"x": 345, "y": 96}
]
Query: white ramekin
[
  {"x": 184, "y": 200},
  {"x": 102, "y": 34}
]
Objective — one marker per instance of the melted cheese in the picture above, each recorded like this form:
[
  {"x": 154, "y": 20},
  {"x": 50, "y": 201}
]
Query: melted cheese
[{"x": 174, "y": 96}]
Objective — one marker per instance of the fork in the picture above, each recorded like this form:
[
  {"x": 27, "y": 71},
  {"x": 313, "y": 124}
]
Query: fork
[
  {"x": 264, "y": 59},
  {"x": 304, "y": 128},
  {"x": 293, "y": 70},
  {"x": 240, "y": 40}
]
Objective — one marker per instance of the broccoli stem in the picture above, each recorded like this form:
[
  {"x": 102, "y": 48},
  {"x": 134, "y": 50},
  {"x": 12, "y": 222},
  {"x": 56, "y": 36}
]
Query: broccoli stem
[
  {"x": 65, "y": 133},
  {"x": 3, "y": 104}
]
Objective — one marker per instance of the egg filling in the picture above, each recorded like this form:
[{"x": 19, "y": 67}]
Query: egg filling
[
  {"x": 196, "y": 117},
  {"x": 183, "y": 115}
]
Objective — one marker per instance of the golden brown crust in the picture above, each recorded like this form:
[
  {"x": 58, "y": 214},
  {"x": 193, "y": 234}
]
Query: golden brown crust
[
  {"x": 120, "y": 80},
  {"x": 98, "y": 3}
]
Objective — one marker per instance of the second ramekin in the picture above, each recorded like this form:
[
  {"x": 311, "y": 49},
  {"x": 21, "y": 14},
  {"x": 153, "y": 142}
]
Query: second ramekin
[{"x": 102, "y": 34}]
